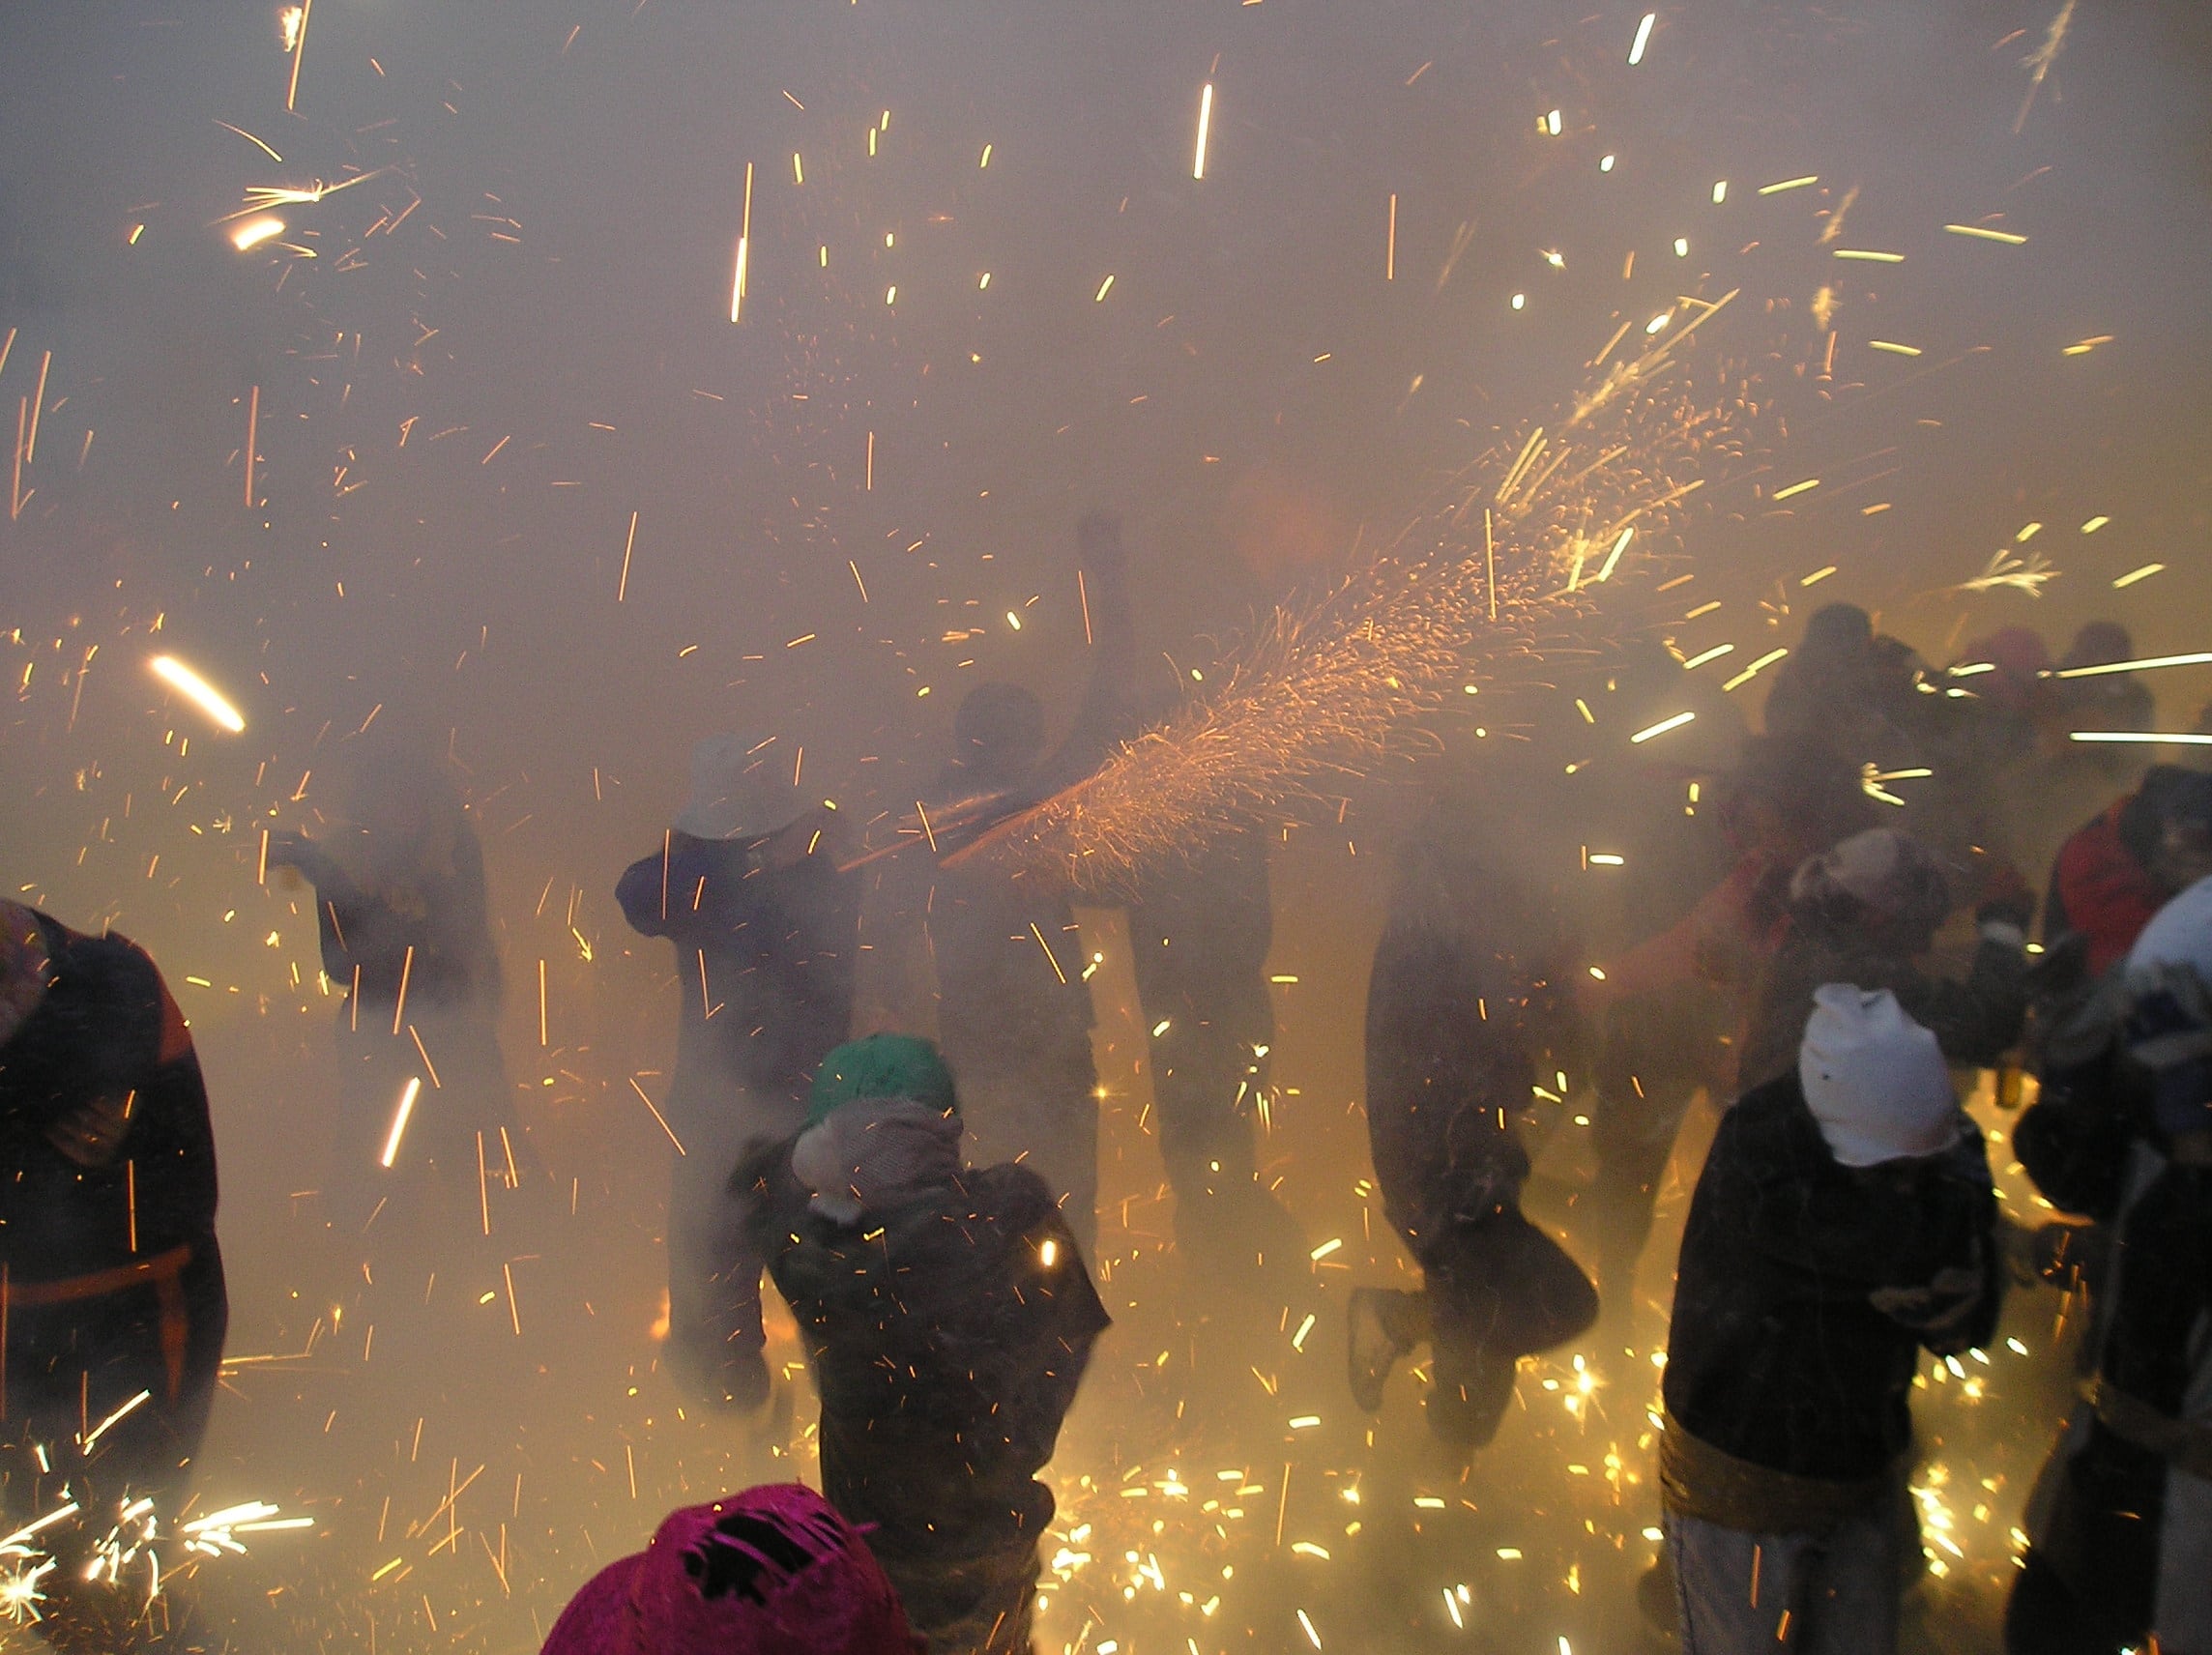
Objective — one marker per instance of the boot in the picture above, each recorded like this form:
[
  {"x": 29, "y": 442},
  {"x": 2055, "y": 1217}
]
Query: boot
[{"x": 1386, "y": 1325}]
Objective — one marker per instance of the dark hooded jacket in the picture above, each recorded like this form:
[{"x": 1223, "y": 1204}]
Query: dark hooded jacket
[
  {"x": 1464, "y": 1017},
  {"x": 764, "y": 958},
  {"x": 429, "y": 928},
  {"x": 106, "y": 1029},
  {"x": 2095, "y": 1146},
  {"x": 1807, "y": 1289},
  {"x": 947, "y": 1337},
  {"x": 113, "y": 1279}
]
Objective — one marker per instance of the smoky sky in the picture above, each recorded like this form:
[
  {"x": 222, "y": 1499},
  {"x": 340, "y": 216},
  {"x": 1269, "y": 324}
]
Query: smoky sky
[{"x": 513, "y": 334}]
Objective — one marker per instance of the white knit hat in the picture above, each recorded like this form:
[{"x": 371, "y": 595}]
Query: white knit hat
[
  {"x": 741, "y": 789},
  {"x": 1874, "y": 1079}
]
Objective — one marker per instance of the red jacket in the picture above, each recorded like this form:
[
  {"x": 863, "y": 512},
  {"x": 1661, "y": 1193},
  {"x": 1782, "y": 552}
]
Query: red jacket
[{"x": 2100, "y": 889}]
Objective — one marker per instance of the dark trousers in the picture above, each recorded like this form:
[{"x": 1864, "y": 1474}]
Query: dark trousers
[
  {"x": 2044, "y": 1616},
  {"x": 75, "y": 1360},
  {"x": 1202, "y": 1082},
  {"x": 1657, "y": 1051},
  {"x": 714, "y": 1270},
  {"x": 1038, "y": 1107}
]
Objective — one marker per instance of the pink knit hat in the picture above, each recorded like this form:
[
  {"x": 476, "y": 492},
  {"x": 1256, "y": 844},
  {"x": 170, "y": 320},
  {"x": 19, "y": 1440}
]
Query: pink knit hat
[{"x": 770, "y": 1570}]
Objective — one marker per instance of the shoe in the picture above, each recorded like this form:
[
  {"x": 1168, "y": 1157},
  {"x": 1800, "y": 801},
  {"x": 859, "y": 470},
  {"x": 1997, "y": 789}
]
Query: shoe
[
  {"x": 1386, "y": 1325},
  {"x": 1465, "y": 1410}
]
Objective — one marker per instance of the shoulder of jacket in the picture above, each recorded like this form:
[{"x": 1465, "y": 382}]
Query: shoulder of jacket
[
  {"x": 1009, "y": 1195},
  {"x": 1772, "y": 1122}
]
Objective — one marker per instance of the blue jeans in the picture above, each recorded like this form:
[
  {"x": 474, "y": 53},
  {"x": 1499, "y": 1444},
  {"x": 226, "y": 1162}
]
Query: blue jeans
[{"x": 1832, "y": 1593}]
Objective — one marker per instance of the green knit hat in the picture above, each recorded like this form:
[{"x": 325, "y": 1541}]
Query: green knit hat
[{"x": 882, "y": 1066}]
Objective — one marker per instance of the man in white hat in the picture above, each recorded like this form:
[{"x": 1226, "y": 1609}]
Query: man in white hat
[
  {"x": 1844, "y": 1222},
  {"x": 767, "y": 930}
]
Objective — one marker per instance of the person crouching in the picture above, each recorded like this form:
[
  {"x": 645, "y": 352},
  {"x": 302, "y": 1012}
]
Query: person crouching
[
  {"x": 947, "y": 1315},
  {"x": 1845, "y": 1221}
]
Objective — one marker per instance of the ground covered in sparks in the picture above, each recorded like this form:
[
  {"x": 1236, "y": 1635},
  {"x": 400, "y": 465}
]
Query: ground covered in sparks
[{"x": 1218, "y": 1489}]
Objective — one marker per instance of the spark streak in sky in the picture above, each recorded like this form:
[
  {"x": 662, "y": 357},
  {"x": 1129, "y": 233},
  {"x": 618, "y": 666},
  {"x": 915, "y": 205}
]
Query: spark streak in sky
[
  {"x": 254, "y": 231},
  {"x": 2042, "y": 58},
  {"x": 1642, "y": 39},
  {"x": 1661, "y": 728},
  {"x": 745, "y": 248},
  {"x": 2145, "y": 738},
  {"x": 1478, "y": 580},
  {"x": 296, "y": 41},
  {"x": 2143, "y": 665},
  {"x": 1204, "y": 126},
  {"x": 399, "y": 1119},
  {"x": 198, "y": 691}
]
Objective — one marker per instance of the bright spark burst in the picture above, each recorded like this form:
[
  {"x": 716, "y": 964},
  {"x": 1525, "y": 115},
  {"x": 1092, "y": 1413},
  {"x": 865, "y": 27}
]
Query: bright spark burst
[
  {"x": 2030, "y": 574},
  {"x": 1485, "y": 571},
  {"x": 254, "y": 231},
  {"x": 198, "y": 691},
  {"x": 259, "y": 197},
  {"x": 135, "y": 1540}
]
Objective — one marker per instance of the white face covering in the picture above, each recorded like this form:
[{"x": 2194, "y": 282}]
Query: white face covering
[
  {"x": 25, "y": 970},
  {"x": 1874, "y": 1080}
]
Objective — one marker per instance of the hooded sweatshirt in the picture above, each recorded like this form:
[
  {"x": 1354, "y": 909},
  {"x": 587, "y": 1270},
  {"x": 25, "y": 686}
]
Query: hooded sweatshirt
[
  {"x": 949, "y": 1317},
  {"x": 105, "y": 1031},
  {"x": 1807, "y": 1289}
]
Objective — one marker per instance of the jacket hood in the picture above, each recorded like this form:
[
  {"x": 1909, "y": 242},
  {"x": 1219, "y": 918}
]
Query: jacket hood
[{"x": 876, "y": 1155}]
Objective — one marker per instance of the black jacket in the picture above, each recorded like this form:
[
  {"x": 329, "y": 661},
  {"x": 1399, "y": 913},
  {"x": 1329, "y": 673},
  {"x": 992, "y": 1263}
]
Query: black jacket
[
  {"x": 947, "y": 1338},
  {"x": 438, "y": 909},
  {"x": 1807, "y": 1289},
  {"x": 763, "y": 962},
  {"x": 1974, "y": 1019},
  {"x": 107, "y": 1030}
]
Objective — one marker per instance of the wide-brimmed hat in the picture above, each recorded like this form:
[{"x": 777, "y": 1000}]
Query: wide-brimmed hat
[{"x": 741, "y": 788}]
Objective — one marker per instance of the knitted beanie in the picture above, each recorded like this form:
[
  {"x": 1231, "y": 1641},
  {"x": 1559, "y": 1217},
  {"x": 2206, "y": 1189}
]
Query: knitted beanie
[
  {"x": 882, "y": 1066},
  {"x": 760, "y": 1573}
]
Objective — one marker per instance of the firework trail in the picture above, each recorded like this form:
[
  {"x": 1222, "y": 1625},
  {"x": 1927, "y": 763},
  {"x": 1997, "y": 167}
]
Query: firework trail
[{"x": 1508, "y": 555}]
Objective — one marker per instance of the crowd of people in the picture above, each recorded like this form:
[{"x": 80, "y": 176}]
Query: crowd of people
[
  {"x": 1825, "y": 927},
  {"x": 1911, "y": 874}
]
